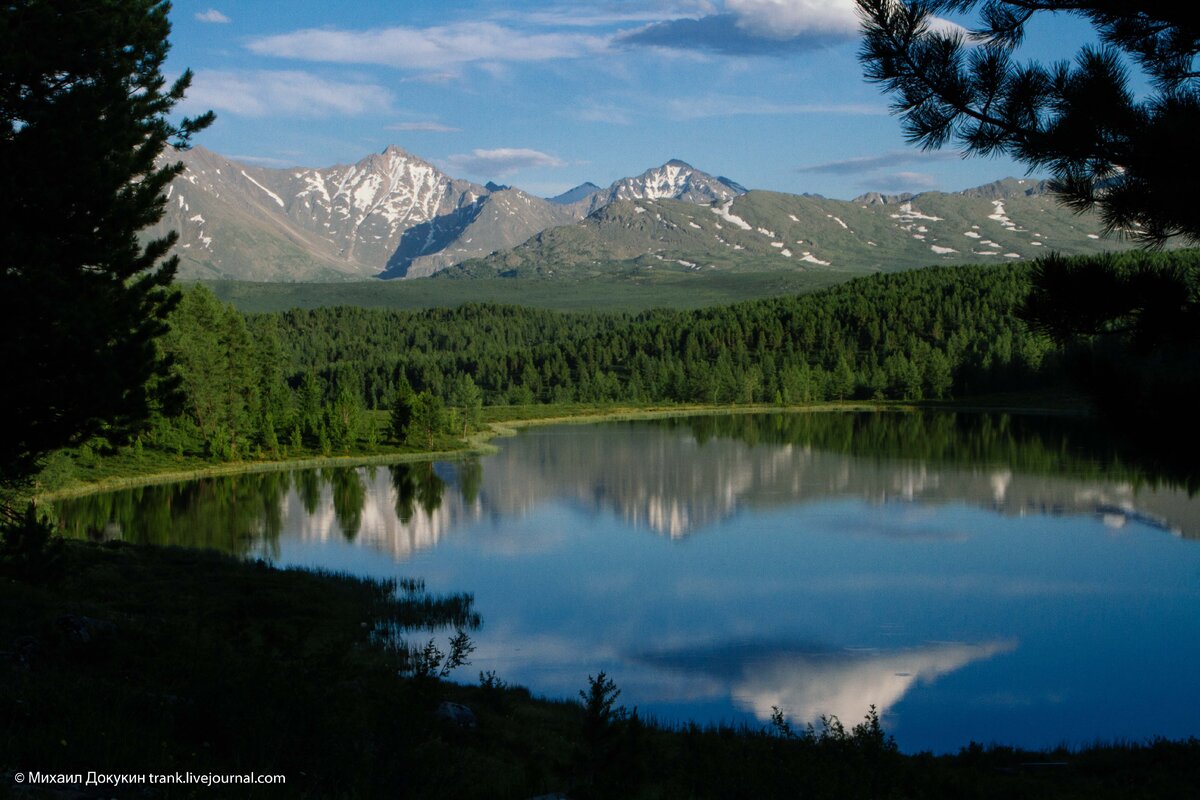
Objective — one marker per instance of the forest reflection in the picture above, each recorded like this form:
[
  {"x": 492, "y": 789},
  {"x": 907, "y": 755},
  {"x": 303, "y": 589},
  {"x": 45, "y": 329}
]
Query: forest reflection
[
  {"x": 245, "y": 514},
  {"x": 674, "y": 476}
]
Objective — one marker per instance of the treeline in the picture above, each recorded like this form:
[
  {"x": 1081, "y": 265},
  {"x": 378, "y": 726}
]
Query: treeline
[
  {"x": 234, "y": 393},
  {"x": 931, "y": 333},
  {"x": 306, "y": 379},
  {"x": 272, "y": 384}
]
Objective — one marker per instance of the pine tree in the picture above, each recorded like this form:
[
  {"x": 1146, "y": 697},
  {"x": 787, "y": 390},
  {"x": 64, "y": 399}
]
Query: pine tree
[
  {"x": 1082, "y": 121},
  {"x": 469, "y": 401},
  {"x": 84, "y": 119},
  {"x": 212, "y": 358},
  {"x": 1109, "y": 144},
  {"x": 428, "y": 420},
  {"x": 402, "y": 410},
  {"x": 345, "y": 419}
]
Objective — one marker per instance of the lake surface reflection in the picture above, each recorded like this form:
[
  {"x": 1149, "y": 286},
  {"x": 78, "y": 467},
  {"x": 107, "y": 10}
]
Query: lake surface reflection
[{"x": 975, "y": 577}]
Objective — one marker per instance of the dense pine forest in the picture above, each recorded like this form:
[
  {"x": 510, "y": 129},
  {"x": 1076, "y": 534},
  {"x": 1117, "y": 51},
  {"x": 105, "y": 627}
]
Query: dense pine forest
[
  {"x": 303, "y": 381},
  {"x": 909, "y": 336}
]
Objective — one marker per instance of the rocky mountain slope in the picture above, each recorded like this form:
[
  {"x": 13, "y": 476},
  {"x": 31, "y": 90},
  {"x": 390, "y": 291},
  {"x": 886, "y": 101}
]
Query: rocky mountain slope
[
  {"x": 674, "y": 180},
  {"x": 575, "y": 195},
  {"x": 764, "y": 231},
  {"x": 391, "y": 214},
  {"x": 395, "y": 215}
]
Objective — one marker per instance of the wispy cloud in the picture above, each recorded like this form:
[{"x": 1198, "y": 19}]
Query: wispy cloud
[
  {"x": 609, "y": 113},
  {"x": 619, "y": 14},
  {"x": 502, "y": 161},
  {"x": 435, "y": 48},
  {"x": 213, "y": 16},
  {"x": 736, "y": 105},
  {"x": 892, "y": 158},
  {"x": 899, "y": 182},
  {"x": 423, "y": 127},
  {"x": 717, "y": 33},
  {"x": 263, "y": 93},
  {"x": 264, "y": 161},
  {"x": 434, "y": 78}
]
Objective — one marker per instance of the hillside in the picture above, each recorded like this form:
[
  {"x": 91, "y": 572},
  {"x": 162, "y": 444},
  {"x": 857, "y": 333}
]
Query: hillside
[
  {"x": 387, "y": 214},
  {"x": 768, "y": 231},
  {"x": 390, "y": 215},
  {"x": 395, "y": 215}
]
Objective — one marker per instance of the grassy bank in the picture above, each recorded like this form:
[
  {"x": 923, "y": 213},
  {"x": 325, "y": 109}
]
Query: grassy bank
[
  {"x": 79, "y": 471},
  {"x": 140, "y": 660},
  {"x": 84, "y": 471},
  {"x": 124, "y": 470}
]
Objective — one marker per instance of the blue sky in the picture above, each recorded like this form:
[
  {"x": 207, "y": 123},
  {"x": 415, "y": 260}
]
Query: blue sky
[{"x": 546, "y": 94}]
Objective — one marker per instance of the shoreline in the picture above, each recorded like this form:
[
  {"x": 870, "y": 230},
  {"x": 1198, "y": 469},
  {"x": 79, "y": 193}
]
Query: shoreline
[{"x": 480, "y": 442}]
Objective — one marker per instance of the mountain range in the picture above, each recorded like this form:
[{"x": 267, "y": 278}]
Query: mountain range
[
  {"x": 395, "y": 215},
  {"x": 770, "y": 231}
]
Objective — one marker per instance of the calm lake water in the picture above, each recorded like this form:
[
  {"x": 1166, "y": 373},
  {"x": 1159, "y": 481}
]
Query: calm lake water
[{"x": 975, "y": 577}]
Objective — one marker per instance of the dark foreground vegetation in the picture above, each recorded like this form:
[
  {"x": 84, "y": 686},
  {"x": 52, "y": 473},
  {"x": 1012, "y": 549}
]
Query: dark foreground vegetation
[{"x": 126, "y": 659}]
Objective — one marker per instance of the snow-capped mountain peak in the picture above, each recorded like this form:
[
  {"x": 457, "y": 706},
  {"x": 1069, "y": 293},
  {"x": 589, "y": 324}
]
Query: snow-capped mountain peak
[
  {"x": 390, "y": 213},
  {"x": 674, "y": 180}
]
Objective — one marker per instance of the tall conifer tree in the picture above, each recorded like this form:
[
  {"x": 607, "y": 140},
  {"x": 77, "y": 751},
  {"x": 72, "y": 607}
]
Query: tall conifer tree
[{"x": 84, "y": 121}]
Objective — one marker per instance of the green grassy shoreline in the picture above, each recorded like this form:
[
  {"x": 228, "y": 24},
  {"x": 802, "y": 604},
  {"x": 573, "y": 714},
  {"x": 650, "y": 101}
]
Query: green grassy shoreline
[{"x": 506, "y": 420}]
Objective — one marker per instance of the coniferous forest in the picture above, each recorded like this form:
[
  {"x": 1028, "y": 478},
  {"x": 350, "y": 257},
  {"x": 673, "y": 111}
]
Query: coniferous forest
[{"x": 262, "y": 384}]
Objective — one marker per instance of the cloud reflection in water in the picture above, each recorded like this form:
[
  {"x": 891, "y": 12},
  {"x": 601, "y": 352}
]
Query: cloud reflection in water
[{"x": 808, "y": 683}]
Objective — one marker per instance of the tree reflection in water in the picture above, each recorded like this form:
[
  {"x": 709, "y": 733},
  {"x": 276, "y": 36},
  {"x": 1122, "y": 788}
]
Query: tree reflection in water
[
  {"x": 349, "y": 495},
  {"x": 239, "y": 514},
  {"x": 416, "y": 485}
]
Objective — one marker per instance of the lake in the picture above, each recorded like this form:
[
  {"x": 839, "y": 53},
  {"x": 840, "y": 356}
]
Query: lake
[{"x": 979, "y": 577}]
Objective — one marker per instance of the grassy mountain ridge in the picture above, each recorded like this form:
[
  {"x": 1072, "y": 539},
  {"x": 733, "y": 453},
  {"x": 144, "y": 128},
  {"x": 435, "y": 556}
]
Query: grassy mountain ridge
[{"x": 765, "y": 231}]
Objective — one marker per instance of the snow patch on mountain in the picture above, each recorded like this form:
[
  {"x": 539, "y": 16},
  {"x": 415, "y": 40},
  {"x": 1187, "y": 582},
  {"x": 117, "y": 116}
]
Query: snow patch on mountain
[
  {"x": 270, "y": 194},
  {"x": 723, "y": 211}
]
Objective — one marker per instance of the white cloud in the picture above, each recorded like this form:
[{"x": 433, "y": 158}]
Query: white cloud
[
  {"x": 212, "y": 15},
  {"x": 735, "y": 105},
  {"x": 786, "y": 19},
  {"x": 945, "y": 26},
  {"x": 265, "y": 93},
  {"x": 424, "y": 127},
  {"x": 502, "y": 161},
  {"x": 760, "y": 27},
  {"x": 428, "y": 48}
]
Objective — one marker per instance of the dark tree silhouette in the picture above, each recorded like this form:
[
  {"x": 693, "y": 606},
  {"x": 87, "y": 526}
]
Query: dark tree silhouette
[
  {"x": 84, "y": 121},
  {"x": 1106, "y": 148},
  {"x": 1131, "y": 326}
]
